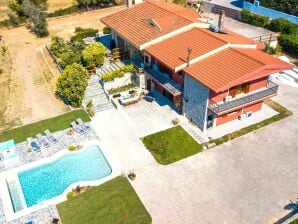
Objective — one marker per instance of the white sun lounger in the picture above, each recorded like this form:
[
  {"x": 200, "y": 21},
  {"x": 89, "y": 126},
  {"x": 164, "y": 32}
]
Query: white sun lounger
[
  {"x": 82, "y": 124},
  {"x": 42, "y": 140},
  {"x": 77, "y": 128},
  {"x": 50, "y": 136}
]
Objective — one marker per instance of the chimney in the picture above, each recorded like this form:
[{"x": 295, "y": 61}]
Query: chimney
[
  {"x": 188, "y": 56},
  {"x": 221, "y": 20}
]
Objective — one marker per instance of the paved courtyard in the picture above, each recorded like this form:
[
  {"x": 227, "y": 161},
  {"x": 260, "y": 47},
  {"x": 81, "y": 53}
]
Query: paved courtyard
[{"x": 247, "y": 180}]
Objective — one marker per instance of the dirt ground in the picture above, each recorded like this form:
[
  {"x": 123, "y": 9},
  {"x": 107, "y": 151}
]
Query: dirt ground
[{"x": 27, "y": 89}]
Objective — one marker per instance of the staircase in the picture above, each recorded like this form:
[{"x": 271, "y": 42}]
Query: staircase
[{"x": 95, "y": 93}]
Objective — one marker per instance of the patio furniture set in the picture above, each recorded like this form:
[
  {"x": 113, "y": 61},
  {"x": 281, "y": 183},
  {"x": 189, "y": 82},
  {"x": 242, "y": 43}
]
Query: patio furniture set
[{"x": 35, "y": 144}]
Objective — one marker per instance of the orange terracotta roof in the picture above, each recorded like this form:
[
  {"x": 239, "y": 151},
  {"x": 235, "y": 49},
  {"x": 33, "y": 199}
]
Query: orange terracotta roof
[
  {"x": 133, "y": 23},
  {"x": 173, "y": 51},
  {"x": 231, "y": 37},
  {"x": 231, "y": 67}
]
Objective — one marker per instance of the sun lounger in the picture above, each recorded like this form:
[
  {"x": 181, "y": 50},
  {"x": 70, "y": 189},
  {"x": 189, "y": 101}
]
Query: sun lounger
[
  {"x": 76, "y": 127},
  {"x": 82, "y": 124},
  {"x": 42, "y": 140},
  {"x": 50, "y": 136}
]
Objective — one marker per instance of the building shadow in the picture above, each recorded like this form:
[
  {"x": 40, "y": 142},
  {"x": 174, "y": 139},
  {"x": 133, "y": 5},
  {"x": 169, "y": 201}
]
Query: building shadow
[{"x": 293, "y": 207}]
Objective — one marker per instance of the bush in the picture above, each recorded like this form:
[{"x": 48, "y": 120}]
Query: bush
[
  {"x": 72, "y": 83},
  {"x": 94, "y": 54},
  {"x": 254, "y": 19},
  {"x": 289, "y": 43},
  {"x": 62, "y": 12},
  {"x": 121, "y": 88},
  {"x": 72, "y": 148},
  {"x": 273, "y": 50},
  {"x": 70, "y": 195},
  {"x": 117, "y": 73},
  {"x": 107, "y": 30},
  {"x": 81, "y": 33},
  {"x": 283, "y": 26}
]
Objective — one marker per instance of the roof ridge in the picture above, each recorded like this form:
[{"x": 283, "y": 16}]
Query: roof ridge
[{"x": 153, "y": 3}]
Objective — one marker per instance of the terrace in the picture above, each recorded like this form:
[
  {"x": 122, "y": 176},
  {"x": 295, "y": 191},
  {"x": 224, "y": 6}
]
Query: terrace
[{"x": 239, "y": 101}]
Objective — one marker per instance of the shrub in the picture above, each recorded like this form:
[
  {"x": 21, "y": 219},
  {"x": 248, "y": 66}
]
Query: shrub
[
  {"x": 107, "y": 30},
  {"x": 286, "y": 6},
  {"x": 72, "y": 148},
  {"x": 289, "y": 43},
  {"x": 273, "y": 50},
  {"x": 72, "y": 83},
  {"x": 282, "y": 25},
  {"x": 70, "y": 195},
  {"x": 94, "y": 54},
  {"x": 254, "y": 19},
  {"x": 117, "y": 73},
  {"x": 121, "y": 88},
  {"x": 62, "y": 12},
  {"x": 81, "y": 33}
]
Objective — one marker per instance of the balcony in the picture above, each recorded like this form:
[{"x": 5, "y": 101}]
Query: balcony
[
  {"x": 255, "y": 96},
  {"x": 165, "y": 81},
  {"x": 158, "y": 76}
]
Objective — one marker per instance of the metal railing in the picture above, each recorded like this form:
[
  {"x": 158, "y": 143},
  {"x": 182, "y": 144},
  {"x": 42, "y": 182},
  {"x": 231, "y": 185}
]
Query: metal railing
[{"x": 218, "y": 108}]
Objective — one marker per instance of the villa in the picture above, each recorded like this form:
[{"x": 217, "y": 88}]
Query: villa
[{"x": 210, "y": 74}]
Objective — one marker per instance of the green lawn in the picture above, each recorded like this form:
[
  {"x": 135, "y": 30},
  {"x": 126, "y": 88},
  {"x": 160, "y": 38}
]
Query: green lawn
[
  {"x": 171, "y": 145},
  {"x": 20, "y": 134},
  {"x": 112, "y": 202},
  {"x": 294, "y": 221}
]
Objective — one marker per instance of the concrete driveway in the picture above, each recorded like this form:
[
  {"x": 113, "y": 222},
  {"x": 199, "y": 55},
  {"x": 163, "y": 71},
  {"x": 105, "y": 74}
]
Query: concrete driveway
[{"x": 248, "y": 180}]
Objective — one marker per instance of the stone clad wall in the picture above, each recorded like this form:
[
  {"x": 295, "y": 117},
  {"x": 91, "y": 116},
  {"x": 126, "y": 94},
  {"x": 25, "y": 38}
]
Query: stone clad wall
[{"x": 195, "y": 102}]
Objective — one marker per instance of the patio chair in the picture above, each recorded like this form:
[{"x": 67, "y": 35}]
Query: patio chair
[
  {"x": 50, "y": 136},
  {"x": 42, "y": 141},
  {"x": 77, "y": 128},
  {"x": 82, "y": 124},
  {"x": 32, "y": 144}
]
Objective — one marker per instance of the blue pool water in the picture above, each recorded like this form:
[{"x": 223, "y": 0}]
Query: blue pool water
[{"x": 51, "y": 179}]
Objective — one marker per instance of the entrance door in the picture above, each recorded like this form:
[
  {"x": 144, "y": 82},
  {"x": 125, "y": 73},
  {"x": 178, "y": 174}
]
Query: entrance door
[
  {"x": 148, "y": 84},
  {"x": 210, "y": 121}
]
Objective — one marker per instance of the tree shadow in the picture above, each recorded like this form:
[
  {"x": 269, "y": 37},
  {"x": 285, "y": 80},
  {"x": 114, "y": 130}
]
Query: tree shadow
[{"x": 293, "y": 207}]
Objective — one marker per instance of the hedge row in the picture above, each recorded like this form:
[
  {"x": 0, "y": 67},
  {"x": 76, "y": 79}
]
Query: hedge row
[
  {"x": 289, "y": 43},
  {"x": 254, "y": 19}
]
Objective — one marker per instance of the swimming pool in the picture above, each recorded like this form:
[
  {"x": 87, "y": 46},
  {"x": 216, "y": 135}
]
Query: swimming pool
[{"x": 51, "y": 179}]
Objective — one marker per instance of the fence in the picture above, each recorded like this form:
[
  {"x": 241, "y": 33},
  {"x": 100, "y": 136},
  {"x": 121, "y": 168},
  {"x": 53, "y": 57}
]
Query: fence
[
  {"x": 60, "y": 68},
  {"x": 256, "y": 8}
]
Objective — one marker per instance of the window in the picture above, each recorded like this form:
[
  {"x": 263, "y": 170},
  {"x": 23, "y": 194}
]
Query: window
[{"x": 244, "y": 88}]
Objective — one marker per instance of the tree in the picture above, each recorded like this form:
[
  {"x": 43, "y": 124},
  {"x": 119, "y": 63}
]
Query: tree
[
  {"x": 37, "y": 16},
  {"x": 72, "y": 83},
  {"x": 94, "y": 54}
]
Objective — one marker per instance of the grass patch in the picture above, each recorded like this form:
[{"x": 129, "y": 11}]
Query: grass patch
[
  {"x": 171, "y": 145},
  {"x": 112, "y": 202},
  {"x": 294, "y": 221},
  {"x": 282, "y": 113},
  {"x": 20, "y": 134}
]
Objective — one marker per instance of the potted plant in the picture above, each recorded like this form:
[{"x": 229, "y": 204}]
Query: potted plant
[{"x": 132, "y": 175}]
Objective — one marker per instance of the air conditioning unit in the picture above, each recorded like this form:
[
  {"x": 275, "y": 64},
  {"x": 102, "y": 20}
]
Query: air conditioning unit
[
  {"x": 248, "y": 114},
  {"x": 242, "y": 117},
  {"x": 227, "y": 98}
]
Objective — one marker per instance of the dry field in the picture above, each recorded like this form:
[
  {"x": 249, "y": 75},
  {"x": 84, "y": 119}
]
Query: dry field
[
  {"x": 27, "y": 88},
  {"x": 3, "y": 9},
  {"x": 52, "y": 6}
]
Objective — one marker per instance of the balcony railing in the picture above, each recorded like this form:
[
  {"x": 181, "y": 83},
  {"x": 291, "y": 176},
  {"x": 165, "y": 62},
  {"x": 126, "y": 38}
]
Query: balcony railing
[
  {"x": 218, "y": 108},
  {"x": 165, "y": 81}
]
